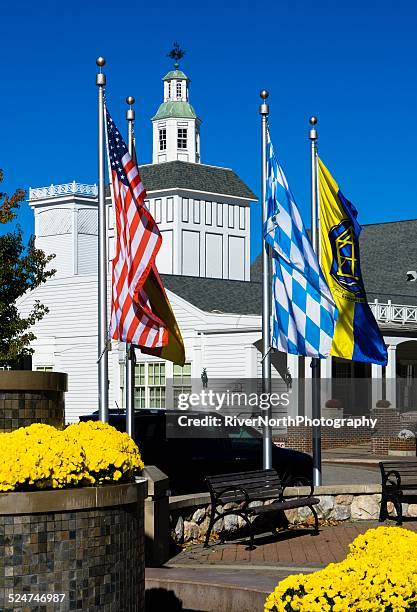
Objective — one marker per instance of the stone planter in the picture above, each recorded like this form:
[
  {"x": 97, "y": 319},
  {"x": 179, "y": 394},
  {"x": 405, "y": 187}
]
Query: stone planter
[
  {"x": 28, "y": 397},
  {"x": 85, "y": 545}
]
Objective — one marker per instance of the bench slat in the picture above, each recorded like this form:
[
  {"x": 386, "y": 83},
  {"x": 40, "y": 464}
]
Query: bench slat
[
  {"x": 265, "y": 482},
  {"x": 285, "y": 505}
]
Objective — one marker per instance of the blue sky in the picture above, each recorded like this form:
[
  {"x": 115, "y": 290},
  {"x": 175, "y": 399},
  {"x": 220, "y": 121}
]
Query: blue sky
[{"x": 351, "y": 63}]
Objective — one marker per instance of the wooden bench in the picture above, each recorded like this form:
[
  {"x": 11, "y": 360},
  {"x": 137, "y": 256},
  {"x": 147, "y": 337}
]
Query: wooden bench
[
  {"x": 399, "y": 484},
  {"x": 242, "y": 488}
]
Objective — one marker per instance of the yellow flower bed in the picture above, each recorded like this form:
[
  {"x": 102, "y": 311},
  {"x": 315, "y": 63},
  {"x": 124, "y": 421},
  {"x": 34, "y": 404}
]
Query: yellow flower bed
[
  {"x": 379, "y": 574},
  {"x": 43, "y": 457}
]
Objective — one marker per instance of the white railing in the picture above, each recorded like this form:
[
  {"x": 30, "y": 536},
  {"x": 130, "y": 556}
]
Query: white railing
[
  {"x": 53, "y": 191},
  {"x": 394, "y": 313}
]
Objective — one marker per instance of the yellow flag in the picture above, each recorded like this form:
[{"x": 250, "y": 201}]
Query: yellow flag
[
  {"x": 356, "y": 335},
  {"x": 174, "y": 350}
]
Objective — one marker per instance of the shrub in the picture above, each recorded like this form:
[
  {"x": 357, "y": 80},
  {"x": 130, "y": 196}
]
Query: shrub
[
  {"x": 378, "y": 574},
  {"x": 43, "y": 457},
  {"x": 383, "y": 404},
  {"x": 333, "y": 403}
]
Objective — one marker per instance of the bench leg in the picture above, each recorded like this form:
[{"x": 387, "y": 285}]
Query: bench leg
[
  {"x": 251, "y": 546},
  {"x": 383, "y": 511},
  {"x": 316, "y": 520},
  {"x": 399, "y": 508}
]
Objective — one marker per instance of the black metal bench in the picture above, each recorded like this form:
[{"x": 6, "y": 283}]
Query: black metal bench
[
  {"x": 399, "y": 484},
  {"x": 242, "y": 488}
]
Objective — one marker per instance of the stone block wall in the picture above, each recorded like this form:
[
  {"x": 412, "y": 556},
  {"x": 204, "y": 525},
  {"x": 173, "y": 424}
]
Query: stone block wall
[
  {"x": 189, "y": 515},
  {"x": 92, "y": 557},
  {"x": 28, "y": 397},
  {"x": 23, "y": 409}
]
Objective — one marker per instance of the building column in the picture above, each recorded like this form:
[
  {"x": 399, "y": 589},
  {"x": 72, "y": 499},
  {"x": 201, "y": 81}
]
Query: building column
[
  {"x": 391, "y": 375},
  {"x": 251, "y": 361},
  {"x": 376, "y": 382},
  {"x": 196, "y": 365}
]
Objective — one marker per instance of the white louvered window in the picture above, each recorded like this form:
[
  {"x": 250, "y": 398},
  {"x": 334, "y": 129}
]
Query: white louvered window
[
  {"x": 196, "y": 211},
  {"x": 231, "y": 215}
]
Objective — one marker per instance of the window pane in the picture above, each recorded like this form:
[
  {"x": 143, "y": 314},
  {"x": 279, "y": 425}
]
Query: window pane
[
  {"x": 178, "y": 391},
  {"x": 157, "y": 397},
  {"x": 140, "y": 374},
  {"x": 182, "y": 375},
  {"x": 182, "y": 138},
  {"x": 140, "y": 398},
  {"x": 162, "y": 139}
]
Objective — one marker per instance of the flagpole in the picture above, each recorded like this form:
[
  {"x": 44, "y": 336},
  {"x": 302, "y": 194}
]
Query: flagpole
[
  {"x": 315, "y": 363},
  {"x": 130, "y": 360},
  {"x": 103, "y": 388},
  {"x": 266, "y": 289}
]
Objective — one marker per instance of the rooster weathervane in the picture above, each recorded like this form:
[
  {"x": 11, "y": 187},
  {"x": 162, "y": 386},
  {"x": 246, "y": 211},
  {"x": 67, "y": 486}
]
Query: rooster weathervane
[{"x": 176, "y": 53}]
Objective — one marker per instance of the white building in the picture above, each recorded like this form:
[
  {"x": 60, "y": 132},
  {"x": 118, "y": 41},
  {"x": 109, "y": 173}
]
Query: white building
[{"x": 204, "y": 215}]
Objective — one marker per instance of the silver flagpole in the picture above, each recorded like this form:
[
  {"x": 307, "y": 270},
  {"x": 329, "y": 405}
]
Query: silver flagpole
[
  {"x": 315, "y": 363},
  {"x": 130, "y": 360},
  {"x": 103, "y": 385},
  {"x": 266, "y": 290}
]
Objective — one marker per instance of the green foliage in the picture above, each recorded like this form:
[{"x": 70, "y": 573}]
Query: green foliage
[{"x": 22, "y": 269}]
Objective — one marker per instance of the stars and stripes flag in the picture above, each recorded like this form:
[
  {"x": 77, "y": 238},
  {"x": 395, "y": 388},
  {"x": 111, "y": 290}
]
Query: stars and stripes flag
[
  {"x": 304, "y": 311},
  {"x": 140, "y": 311}
]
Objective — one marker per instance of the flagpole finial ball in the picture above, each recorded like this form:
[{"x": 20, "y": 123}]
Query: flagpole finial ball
[
  {"x": 313, "y": 120},
  {"x": 100, "y": 61},
  {"x": 130, "y": 100},
  {"x": 264, "y": 94}
]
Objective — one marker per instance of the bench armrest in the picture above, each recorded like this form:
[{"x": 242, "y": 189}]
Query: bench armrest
[
  {"x": 305, "y": 483},
  {"x": 216, "y": 497},
  {"x": 387, "y": 483}
]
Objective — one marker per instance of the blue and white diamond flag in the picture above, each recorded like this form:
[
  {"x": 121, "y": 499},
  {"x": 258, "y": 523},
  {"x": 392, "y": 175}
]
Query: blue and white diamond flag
[{"x": 304, "y": 313}]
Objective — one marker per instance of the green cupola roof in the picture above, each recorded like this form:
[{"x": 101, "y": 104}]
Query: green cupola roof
[
  {"x": 176, "y": 74},
  {"x": 175, "y": 108}
]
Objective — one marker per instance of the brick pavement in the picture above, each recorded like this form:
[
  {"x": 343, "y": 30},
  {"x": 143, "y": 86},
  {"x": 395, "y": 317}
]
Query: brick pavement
[{"x": 296, "y": 547}]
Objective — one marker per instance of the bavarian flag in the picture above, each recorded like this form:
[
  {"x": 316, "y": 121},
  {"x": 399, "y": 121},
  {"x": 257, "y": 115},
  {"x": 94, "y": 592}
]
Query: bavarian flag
[{"x": 356, "y": 335}]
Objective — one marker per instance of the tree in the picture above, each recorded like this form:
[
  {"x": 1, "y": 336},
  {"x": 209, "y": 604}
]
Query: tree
[{"x": 22, "y": 269}]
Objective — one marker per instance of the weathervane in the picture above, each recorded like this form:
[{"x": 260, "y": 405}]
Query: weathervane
[{"x": 176, "y": 53}]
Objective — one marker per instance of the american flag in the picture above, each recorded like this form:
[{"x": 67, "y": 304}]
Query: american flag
[{"x": 137, "y": 244}]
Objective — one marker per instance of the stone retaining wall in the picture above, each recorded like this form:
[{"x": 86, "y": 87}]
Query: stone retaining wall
[{"x": 189, "y": 514}]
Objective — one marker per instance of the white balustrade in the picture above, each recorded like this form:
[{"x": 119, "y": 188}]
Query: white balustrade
[
  {"x": 394, "y": 313},
  {"x": 53, "y": 191}
]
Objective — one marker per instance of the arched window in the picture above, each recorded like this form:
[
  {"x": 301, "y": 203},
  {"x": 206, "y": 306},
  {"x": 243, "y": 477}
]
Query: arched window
[
  {"x": 169, "y": 90},
  {"x": 179, "y": 90}
]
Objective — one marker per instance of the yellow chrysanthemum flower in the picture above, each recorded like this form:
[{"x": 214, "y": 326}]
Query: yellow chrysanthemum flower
[
  {"x": 378, "y": 575},
  {"x": 41, "y": 456}
]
